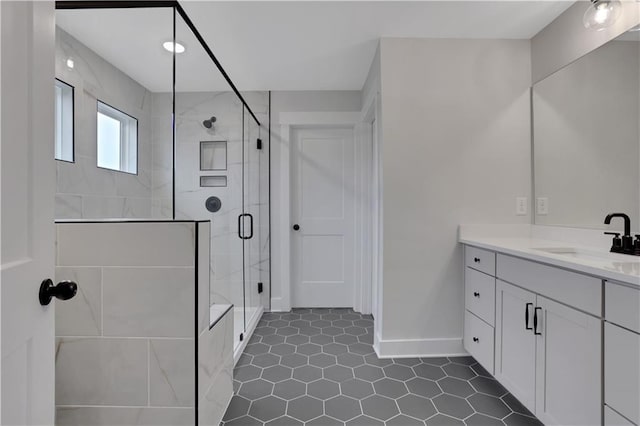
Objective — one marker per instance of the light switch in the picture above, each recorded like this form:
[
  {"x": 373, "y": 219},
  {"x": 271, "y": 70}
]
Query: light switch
[
  {"x": 521, "y": 206},
  {"x": 542, "y": 206}
]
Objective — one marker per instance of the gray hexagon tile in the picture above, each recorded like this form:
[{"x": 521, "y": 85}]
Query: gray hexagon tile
[
  {"x": 317, "y": 367},
  {"x": 323, "y": 389},
  {"x": 342, "y": 408}
]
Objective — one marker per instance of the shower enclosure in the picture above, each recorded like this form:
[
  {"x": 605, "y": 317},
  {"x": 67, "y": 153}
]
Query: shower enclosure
[
  {"x": 155, "y": 146},
  {"x": 222, "y": 174}
]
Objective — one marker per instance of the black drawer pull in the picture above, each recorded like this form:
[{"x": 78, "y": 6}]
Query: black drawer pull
[
  {"x": 475, "y": 339},
  {"x": 476, "y": 259},
  {"x": 476, "y": 294}
]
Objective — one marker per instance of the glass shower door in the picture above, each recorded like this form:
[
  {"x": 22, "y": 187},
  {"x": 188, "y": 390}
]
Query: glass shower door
[
  {"x": 209, "y": 167},
  {"x": 251, "y": 201}
]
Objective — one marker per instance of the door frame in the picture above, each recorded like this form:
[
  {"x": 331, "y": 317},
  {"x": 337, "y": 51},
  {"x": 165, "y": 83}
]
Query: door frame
[
  {"x": 282, "y": 265},
  {"x": 372, "y": 262}
]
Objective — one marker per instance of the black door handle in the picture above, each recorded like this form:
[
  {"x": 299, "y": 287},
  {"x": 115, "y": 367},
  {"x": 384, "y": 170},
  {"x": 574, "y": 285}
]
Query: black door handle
[
  {"x": 535, "y": 321},
  {"x": 475, "y": 339},
  {"x": 296, "y": 227},
  {"x": 526, "y": 316},
  {"x": 476, "y": 294},
  {"x": 64, "y": 290}
]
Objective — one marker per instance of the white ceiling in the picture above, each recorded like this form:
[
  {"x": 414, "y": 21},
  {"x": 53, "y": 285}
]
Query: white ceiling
[{"x": 303, "y": 45}]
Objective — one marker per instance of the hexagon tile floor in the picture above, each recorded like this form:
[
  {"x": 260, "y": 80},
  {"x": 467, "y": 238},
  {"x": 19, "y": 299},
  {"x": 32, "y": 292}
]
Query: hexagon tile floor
[{"x": 318, "y": 367}]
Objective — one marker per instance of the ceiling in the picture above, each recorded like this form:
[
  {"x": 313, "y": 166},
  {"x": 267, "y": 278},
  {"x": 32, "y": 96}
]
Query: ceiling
[{"x": 302, "y": 45}]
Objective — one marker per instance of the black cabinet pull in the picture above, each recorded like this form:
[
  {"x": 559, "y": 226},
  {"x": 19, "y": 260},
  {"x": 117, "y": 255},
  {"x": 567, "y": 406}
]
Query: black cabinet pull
[
  {"x": 476, "y": 294},
  {"x": 526, "y": 316},
  {"x": 476, "y": 259},
  {"x": 475, "y": 339},
  {"x": 296, "y": 227},
  {"x": 535, "y": 321}
]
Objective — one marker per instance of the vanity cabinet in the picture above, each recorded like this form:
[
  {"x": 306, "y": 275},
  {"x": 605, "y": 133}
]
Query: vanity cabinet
[
  {"x": 547, "y": 330},
  {"x": 479, "y": 319},
  {"x": 516, "y": 343},
  {"x": 548, "y": 356},
  {"x": 621, "y": 355}
]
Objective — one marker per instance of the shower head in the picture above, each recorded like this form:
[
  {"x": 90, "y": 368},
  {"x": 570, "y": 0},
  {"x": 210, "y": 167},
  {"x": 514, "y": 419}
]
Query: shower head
[{"x": 209, "y": 123}]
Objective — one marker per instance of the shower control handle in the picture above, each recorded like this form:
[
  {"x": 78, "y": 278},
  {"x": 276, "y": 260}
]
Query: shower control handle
[{"x": 296, "y": 227}]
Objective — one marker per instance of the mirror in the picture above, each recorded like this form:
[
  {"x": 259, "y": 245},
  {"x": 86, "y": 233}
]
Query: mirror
[
  {"x": 586, "y": 138},
  {"x": 114, "y": 94}
]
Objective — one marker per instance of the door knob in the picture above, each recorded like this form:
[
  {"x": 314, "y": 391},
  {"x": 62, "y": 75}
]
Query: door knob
[
  {"x": 64, "y": 290},
  {"x": 296, "y": 227}
]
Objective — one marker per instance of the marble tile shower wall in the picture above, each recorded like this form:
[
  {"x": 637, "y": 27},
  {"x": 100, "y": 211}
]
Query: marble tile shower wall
[
  {"x": 125, "y": 345},
  {"x": 85, "y": 191},
  {"x": 226, "y": 248}
]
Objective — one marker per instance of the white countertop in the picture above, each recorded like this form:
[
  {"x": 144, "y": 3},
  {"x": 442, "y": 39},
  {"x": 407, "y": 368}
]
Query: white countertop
[{"x": 525, "y": 242}]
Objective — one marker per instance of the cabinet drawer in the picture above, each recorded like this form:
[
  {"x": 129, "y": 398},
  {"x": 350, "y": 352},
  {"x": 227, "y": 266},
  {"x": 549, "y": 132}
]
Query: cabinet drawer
[
  {"x": 611, "y": 418},
  {"x": 480, "y": 294},
  {"x": 622, "y": 371},
  {"x": 579, "y": 291},
  {"x": 478, "y": 340},
  {"x": 482, "y": 260},
  {"x": 622, "y": 306}
]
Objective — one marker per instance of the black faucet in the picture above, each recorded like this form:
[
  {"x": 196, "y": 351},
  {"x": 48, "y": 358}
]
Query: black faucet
[{"x": 625, "y": 244}]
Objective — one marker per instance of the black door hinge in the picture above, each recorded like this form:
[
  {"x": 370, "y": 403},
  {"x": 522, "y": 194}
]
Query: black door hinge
[
  {"x": 259, "y": 288},
  {"x": 259, "y": 143}
]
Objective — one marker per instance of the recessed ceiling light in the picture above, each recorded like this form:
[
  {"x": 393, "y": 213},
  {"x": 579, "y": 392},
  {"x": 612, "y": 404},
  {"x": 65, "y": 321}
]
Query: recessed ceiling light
[
  {"x": 169, "y": 45},
  {"x": 70, "y": 63}
]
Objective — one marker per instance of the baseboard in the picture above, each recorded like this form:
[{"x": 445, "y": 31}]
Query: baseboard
[
  {"x": 419, "y": 348},
  {"x": 276, "y": 305},
  {"x": 247, "y": 335}
]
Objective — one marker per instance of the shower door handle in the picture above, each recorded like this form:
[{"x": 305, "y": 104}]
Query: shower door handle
[
  {"x": 241, "y": 226},
  {"x": 251, "y": 222}
]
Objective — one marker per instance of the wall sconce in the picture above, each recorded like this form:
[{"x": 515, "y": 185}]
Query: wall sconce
[{"x": 602, "y": 14}]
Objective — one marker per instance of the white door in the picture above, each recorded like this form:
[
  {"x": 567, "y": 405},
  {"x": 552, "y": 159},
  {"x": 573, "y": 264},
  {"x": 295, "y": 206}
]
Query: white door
[
  {"x": 515, "y": 342},
  {"x": 322, "y": 255},
  {"x": 27, "y": 178},
  {"x": 568, "y": 366}
]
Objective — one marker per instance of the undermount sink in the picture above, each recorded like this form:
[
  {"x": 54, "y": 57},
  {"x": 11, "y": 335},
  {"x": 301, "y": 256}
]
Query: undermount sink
[{"x": 578, "y": 253}]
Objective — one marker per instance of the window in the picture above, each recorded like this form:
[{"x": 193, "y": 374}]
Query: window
[
  {"x": 64, "y": 121},
  {"x": 117, "y": 140}
]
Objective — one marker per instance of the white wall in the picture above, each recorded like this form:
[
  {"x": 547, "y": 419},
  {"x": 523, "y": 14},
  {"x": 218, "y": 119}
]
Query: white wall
[
  {"x": 83, "y": 189},
  {"x": 298, "y": 101},
  {"x": 455, "y": 149}
]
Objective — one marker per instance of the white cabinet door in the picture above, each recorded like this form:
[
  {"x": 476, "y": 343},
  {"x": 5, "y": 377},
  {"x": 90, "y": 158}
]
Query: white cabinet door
[
  {"x": 568, "y": 365},
  {"x": 515, "y": 344},
  {"x": 622, "y": 371},
  {"x": 26, "y": 200}
]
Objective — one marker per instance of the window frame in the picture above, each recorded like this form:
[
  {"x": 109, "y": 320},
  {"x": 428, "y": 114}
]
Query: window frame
[
  {"x": 118, "y": 115},
  {"x": 73, "y": 122}
]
